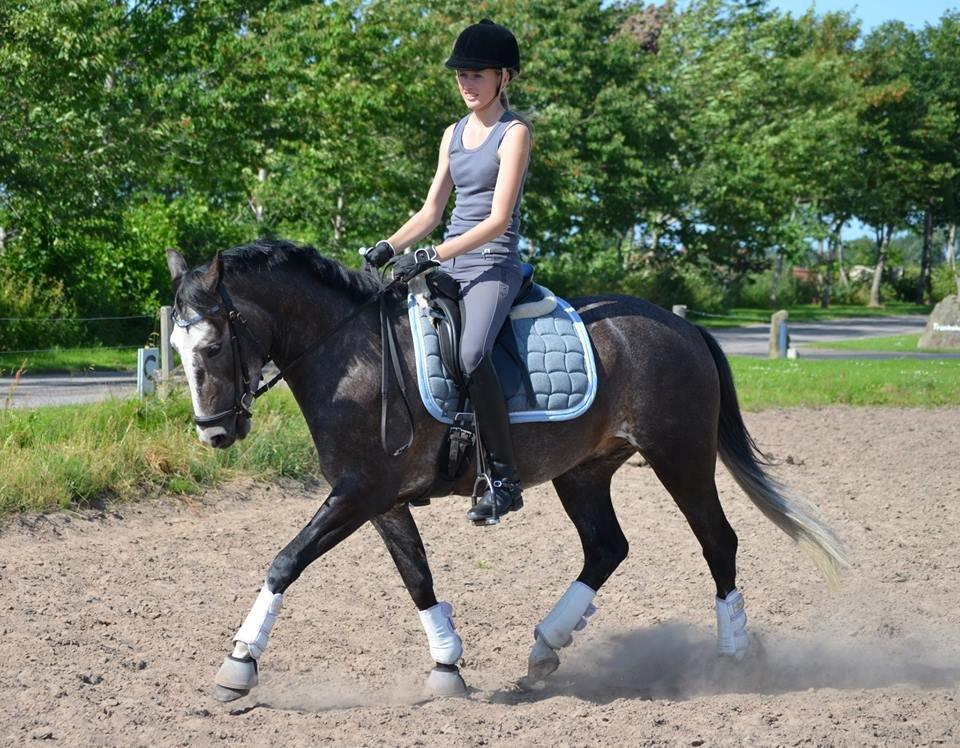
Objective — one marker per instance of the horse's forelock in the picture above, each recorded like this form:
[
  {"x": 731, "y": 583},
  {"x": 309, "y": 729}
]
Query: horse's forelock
[{"x": 193, "y": 294}]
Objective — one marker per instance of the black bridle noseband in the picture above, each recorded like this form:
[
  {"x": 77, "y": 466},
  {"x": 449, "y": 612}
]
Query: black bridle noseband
[{"x": 244, "y": 395}]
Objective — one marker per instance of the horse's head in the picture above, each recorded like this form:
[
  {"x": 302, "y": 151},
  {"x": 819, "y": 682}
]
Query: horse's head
[{"x": 221, "y": 356}]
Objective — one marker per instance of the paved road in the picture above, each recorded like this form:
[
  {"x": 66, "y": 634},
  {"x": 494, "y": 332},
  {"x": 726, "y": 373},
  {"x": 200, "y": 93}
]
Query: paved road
[
  {"x": 741, "y": 341},
  {"x": 753, "y": 340},
  {"x": 60, "y": 389}
]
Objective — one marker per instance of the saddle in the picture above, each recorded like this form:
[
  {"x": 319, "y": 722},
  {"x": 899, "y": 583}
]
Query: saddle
[
  {"x": 542, "y": 354},
  {"x": 445, "y": 307}
]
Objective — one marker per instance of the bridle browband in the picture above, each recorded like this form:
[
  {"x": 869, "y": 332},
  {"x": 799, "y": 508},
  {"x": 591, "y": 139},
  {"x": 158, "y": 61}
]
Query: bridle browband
[{"x": 244, "y": 395}]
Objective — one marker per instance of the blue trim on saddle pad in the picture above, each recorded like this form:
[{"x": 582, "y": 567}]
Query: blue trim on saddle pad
[{"x": 559, "y": 358}]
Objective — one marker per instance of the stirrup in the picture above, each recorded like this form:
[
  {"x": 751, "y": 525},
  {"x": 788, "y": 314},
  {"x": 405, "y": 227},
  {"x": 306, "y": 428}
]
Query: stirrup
[{"x": 491, "y": 486}]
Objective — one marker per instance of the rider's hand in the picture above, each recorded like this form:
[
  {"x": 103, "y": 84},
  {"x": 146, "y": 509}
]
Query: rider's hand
[
  {"x": 380, "y": 253},
  {"x": 410, "y": 265}
]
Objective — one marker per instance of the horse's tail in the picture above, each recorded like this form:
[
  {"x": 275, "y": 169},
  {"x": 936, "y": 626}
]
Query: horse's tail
[{"x": 739, "y": 452}]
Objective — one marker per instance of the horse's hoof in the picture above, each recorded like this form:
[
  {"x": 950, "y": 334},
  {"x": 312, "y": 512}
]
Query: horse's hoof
[
  {"x": 224, "y": 694},
  {"x": 542, "y": 662},
  {"x": 236, "y": 675},
  {"x": 446, "y": 683}
]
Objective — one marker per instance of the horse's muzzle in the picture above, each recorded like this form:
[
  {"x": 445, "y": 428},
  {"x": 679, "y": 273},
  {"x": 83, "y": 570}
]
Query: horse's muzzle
[{"x": 221, "y": 437}]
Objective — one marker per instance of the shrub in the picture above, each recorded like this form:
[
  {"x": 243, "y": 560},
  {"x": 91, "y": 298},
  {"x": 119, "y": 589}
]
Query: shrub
[
  {"x": 944, "y": 283},
  {"x": 28, "y": 309}
]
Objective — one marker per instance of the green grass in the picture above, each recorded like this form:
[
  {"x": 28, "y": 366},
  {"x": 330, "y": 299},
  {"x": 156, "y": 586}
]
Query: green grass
[
  {"x": 739, "y": 316},
  {"x": 889, "y": 343},
  {"x": 763, "y": 383},
  {"x": 83, "y": 455},
  {"x": 119, "y": 450},
  {"x": 70, "y": 360}
]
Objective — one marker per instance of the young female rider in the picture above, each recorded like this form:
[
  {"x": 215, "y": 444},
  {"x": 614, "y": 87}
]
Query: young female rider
[{"x": 485, "y": 157}]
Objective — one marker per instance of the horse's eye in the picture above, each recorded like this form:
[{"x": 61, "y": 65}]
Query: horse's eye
[{"x": 212, "y": 350}]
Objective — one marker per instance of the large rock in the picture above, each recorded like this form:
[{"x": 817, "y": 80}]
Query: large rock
[{"x": 943, "y": 327}]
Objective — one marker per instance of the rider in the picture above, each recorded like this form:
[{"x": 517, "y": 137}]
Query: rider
[{"x": 485, "y": 157}]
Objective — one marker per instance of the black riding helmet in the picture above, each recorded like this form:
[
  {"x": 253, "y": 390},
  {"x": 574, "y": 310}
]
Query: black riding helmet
[{"x": 485, "y": 45}]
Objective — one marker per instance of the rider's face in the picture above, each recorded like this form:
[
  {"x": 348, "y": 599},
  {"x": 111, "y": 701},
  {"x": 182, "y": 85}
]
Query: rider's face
[{"x": 478, "y": 87}]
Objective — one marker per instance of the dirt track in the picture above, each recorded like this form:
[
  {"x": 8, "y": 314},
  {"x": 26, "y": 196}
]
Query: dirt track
[{"x": 113, "y": 625}]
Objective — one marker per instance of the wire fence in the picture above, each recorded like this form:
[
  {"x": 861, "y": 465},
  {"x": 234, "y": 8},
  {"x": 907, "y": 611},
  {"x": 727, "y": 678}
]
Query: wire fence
[{"x": 52, "y": 334}]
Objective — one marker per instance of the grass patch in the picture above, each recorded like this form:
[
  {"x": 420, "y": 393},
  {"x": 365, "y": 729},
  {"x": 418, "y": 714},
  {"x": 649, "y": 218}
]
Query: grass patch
[
  {"x": 781, "y": 383},
  {"x": 70, "y": 360},
  {"x": 888, "y": 343},
  {"x": 84, "y": 455},
  {"x": 739, "y": 316}
]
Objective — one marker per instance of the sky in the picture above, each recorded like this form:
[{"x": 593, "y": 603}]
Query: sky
[{"x": 872, "y": 13}]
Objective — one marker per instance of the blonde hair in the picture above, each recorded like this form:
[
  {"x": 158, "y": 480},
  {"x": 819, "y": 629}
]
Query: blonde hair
[{"x": 505, "y": 100}]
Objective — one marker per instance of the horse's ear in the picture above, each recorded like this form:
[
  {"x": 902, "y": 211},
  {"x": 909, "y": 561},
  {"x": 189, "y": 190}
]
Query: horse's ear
[
  {"x": 176, "y": 264},
  {"x": 211, "y": 279}
]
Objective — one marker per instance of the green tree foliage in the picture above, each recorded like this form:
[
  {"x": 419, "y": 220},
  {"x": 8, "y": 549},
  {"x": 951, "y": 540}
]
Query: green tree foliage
[{"x": 676, "y": 148}]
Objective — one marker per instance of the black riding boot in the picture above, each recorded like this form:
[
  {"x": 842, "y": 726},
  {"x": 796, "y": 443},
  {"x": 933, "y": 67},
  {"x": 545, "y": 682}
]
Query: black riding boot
[{"x": 484, "y": 391}]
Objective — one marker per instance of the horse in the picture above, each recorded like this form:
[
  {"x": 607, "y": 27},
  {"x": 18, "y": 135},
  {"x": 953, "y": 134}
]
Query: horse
[{"x": 665, "y": 390}]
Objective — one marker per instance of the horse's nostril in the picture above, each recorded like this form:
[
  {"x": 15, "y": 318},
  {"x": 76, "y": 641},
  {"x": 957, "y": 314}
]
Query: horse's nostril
[{"x": 218, "y": 440}]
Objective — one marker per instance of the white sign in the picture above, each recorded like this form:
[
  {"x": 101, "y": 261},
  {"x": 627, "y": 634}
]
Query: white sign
[
  {"x": 937, "y": 327},
  {"x": 148, "y": 359}
]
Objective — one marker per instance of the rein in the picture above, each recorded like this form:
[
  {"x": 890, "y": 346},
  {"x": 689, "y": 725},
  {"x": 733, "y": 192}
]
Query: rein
[{"x": 244, "y": 396}]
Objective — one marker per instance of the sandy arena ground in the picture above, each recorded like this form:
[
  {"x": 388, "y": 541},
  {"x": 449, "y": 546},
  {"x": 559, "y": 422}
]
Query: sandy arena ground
[{"x": 114, "y": 623}]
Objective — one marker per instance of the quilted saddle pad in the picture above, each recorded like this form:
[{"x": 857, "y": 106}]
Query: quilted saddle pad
[{"x": 559, "y": 359}]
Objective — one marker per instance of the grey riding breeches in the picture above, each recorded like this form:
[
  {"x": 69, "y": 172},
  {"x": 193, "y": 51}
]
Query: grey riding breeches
[{"x": 489, "y": 284}]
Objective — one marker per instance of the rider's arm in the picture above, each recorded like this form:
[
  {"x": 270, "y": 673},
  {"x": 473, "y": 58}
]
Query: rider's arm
[
  {"x": 514, "y": 153},
  {"x": 429, "y": 216}
]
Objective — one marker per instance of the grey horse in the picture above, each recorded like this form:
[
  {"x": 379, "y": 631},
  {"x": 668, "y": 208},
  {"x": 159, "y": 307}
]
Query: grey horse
[{"x": 665, "y": 391}]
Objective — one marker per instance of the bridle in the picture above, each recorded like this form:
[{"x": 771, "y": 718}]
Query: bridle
[{"x": 244, "y": 394}]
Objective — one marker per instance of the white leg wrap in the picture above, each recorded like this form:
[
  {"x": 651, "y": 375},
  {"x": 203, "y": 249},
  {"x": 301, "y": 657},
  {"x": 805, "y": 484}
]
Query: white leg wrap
[
  {"x": 568, "y": 615},
  {"x": 445, "y": 644},
  {"x": 259, "y": 621},
  {"x": 732, "y": 626}
]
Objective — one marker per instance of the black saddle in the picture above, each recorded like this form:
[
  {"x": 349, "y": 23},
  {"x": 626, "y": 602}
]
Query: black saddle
[{"x": 447, "y": 312}]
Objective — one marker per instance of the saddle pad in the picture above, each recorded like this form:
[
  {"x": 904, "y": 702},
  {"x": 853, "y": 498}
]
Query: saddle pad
[{"x": 559, "y": 358}]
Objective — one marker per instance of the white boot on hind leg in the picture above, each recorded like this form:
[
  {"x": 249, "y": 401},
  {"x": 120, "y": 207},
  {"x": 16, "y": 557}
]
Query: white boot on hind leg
[
  {"x": 732, "y": 638},
  {"x": 555, "y": 631}
]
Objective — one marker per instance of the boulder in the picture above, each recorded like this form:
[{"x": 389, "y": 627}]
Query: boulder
[{"x": 943, "y": 327}]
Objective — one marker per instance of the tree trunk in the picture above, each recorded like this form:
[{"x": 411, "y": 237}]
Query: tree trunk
[
  {"x": 827, "y": 273},
  {"x": 883, "y": 241},
  {"x": 338, "y": 222},
  {"x": 924, "y": 284},
  {"x": 253, "y": 201},
  {"x": 952, "y": 254},
  {"x": 775, "y": 286},
  {"x": 844, "y": 280}
]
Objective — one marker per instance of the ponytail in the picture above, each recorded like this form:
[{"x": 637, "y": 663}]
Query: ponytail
[{"x": 505, "y": 100}]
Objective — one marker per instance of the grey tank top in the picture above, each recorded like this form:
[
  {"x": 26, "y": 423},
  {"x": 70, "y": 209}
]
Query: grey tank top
[{"x": 474, "y": 172}]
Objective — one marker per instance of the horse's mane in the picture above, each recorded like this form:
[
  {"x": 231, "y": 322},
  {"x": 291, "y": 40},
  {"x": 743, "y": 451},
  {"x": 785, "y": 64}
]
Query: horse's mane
[{"x": 274, "y": 254}]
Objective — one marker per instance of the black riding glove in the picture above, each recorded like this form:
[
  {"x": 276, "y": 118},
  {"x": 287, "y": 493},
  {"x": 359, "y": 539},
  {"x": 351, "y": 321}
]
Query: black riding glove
[
  {"x": 380, "y": 253},
  {"x": 409, "y": 266}
]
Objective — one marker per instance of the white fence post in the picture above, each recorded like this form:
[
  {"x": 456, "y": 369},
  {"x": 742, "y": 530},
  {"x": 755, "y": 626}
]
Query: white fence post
[
  {"x": 680, "y": 310},
  {"x": 166, "y": 353}
]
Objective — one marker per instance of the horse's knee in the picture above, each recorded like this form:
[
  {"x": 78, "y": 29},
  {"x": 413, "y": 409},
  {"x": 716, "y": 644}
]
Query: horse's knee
[{"x": 282, "y": 572}]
